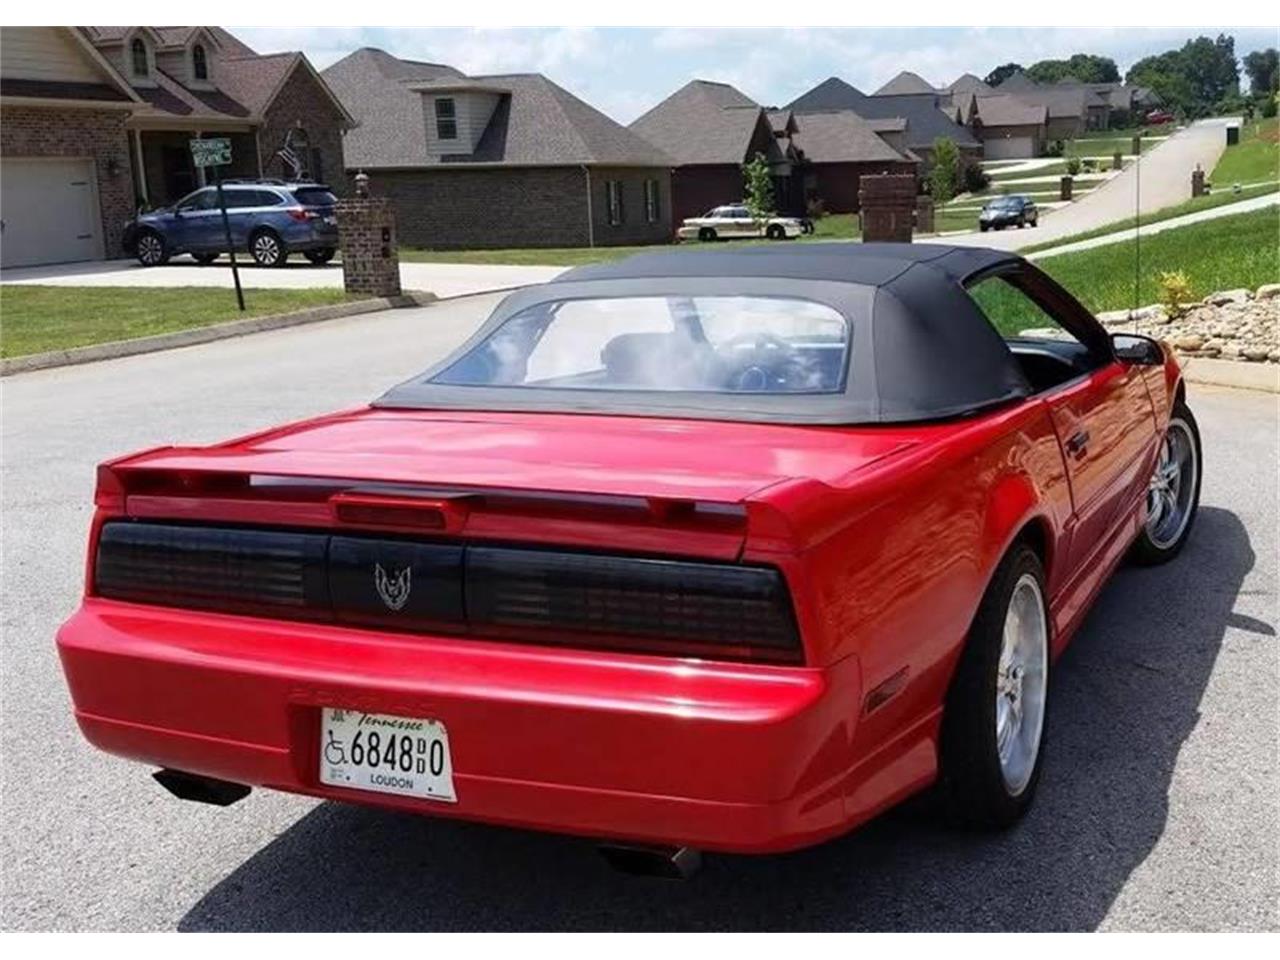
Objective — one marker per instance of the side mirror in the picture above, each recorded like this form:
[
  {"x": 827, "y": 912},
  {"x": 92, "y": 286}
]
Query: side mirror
[{"x": 1137, "y": 349}]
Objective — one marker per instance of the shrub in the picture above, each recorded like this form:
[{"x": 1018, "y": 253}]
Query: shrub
[
  {"x": 1268, "y": 108},
  {"x": 1073, "y": 166},
  {"x": 1175, "y": 293},
  {"x": 972, "y": 177},
  {"x": 758, "y": 184},
  {"x": 1054, "y": 149},
  {"x": 815, "y": 208},
  {"x": 1120, "y": 119}
]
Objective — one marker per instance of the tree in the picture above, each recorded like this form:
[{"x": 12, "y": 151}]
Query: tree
[
  {"x": 1191, "y": 80},
  {"x": 1263, "y": 68},
  {"x": 758, "y": 184},
  {"x": 1085, "y": 67},
  {"x": 944, "y": 175},
  {"x": 1002, "y": 73}
]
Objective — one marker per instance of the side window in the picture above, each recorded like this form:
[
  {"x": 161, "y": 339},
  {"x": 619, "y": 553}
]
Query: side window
[
  {"x": 613, "y": 202},
  {"x": 200, "y": 200},
  {"x": 1014, "y": 314},
  {"x": 1047, "y": 352}
]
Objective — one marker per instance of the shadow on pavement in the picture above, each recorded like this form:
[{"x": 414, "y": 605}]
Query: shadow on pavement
[{"x": 1126, "y": 696}]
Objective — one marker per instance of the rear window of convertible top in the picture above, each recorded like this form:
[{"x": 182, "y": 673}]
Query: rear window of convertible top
[{"x": 719, "y": 344}]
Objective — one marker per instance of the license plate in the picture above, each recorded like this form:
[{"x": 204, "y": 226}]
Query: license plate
[{"x": 386, "y": 754}]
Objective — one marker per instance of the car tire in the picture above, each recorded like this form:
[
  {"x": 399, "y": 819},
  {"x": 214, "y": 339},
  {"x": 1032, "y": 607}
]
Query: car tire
[
  {"x": 993, "y": 728},
  {"x": 1022, "y": 222},
  {"x": 775, "y": 231},
  {"x": 204, "y": 259},
  {"x": 267, "y": 249},
  {"x": 707, "y": 235},
  {"x": 982, "y": 228},
  {"x": 321, "y": 256},
  {"x": 1173, "y": 495},
  {"x": 152, "y": 251}
]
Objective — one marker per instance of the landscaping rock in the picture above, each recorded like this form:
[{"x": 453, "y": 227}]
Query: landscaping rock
[
  {"x": 1230, "y": 325},
  {"x": 1227, "y": 296},
  {"x": 1267, "y": 291}
]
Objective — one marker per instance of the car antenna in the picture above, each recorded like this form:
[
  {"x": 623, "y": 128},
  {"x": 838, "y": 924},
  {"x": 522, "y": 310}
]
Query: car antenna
[{"x": 1137, "y": 232}]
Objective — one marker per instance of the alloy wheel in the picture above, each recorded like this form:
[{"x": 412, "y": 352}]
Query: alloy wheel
[
  {"x": 1172, "y": 486},
  {"x": 1020, "y": 684},
  {"x": 150, "y": 249},
  {"x": 266, "y": 249}
]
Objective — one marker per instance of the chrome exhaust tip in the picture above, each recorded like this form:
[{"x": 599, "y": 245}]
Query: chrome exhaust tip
[
  {"x": 665, "y": 863},
  {"x": 193, "y": 786}
]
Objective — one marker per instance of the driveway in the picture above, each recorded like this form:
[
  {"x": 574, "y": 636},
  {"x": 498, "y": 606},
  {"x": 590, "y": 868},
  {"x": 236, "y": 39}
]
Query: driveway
[
  {"x": 442, "y": 279},
  {"x": 1158, "y": 808},
  {"x": 1160, "y": 179}
]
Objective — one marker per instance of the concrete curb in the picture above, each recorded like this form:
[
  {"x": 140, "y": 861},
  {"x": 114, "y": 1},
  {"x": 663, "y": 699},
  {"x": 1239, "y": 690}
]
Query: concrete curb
[
  {"x": 1229, "y": 373},
  {"x": 198, "y": 335}
]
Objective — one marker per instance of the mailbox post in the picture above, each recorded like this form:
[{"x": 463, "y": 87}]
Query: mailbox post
[{"x": 215, "y": 153}]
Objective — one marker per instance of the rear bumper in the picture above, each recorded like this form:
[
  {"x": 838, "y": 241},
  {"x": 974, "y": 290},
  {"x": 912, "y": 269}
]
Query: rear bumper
[{"x": 717, "y": 756}]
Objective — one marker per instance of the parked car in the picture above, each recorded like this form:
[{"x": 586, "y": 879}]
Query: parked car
[
  {"x": 269, "y": 219},
  {"x": 1008, "y": 211},
  {"x": 735, "y": 221},
  {"x": 1158, "y": 117},
  {"x": 731, "y": 558}
]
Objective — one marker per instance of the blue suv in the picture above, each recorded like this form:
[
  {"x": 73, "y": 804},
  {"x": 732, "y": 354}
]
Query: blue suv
[{"x": 269, "y": 218}]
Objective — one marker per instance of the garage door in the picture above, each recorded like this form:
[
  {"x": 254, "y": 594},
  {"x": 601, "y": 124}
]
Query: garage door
[
  {"x": 49, "y": 209},
  {"x": 1008, "y": 148}
]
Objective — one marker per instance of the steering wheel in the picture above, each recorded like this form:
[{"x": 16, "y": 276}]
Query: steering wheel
[{"x": 771, "y": 357}]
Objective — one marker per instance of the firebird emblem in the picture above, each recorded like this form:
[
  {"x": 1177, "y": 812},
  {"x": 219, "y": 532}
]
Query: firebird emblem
[{"x": 394, "y": 591}]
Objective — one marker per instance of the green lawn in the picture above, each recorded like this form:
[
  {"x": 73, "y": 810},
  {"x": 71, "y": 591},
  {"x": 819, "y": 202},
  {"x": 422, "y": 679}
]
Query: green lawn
[
  {"x": 836, "y": 226},
  {"x": 1255, "y": 157},
  {"x": 34, "y": 319},
  {"x": 1106, "y": 146},
  {"x": 1218, "y": 198},
  {"x": 1223, "y": 254}
]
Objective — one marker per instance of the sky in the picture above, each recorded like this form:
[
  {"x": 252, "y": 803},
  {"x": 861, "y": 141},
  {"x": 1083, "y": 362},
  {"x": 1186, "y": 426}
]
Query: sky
[{"x": 626, "y": 70}]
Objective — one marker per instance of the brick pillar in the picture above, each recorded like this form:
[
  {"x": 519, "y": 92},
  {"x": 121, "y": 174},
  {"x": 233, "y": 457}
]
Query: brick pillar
[
  {"x": 888, "y": 203},
  {"x": 370, "y": 256},
  {"x": 1197, "y": 182},
  {"x": 1117, "y": 160},
  {"x": 924, "y": 213},
  {"x": 1064, "y": 188}
]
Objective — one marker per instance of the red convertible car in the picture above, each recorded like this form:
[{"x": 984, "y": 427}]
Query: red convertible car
[{"x": 724, "y": 550}]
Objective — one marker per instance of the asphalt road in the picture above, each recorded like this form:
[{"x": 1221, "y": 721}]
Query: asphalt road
[{"x": 1159, "y": 807}]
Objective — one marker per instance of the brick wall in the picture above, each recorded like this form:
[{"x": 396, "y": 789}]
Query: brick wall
[
  {"x": 837, "y": 184},
  {"x": 65, "y": 132},
  {"x": 635, "y": 227},
  {"x": 303, "y": 99},
  {"x": 697, "y": 189}
]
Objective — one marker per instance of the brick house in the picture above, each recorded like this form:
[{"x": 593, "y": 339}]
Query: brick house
[
  {"x": 1010, "y": 127},
  {"x": 925, "y": 113},
  {"x": 497, "y": 161},
  {"x": 710, "y": 130},
  {"x": 116, "y": 107}
]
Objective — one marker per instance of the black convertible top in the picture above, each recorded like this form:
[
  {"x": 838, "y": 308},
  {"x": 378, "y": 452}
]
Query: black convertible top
[{"x": 920, "y": 348}]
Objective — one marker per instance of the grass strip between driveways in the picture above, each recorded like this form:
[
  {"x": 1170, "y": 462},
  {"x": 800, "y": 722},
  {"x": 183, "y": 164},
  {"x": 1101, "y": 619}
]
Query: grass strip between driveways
[
  {"x": 1255, "y": 157},
  {"x": 1195, "y": 204},
  {"x": 36, "y": 319},
  {"x": 1224, "y": 254}
]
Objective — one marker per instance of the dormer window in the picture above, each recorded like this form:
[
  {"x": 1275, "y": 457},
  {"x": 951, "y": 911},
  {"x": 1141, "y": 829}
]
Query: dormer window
[
  {"x": 138, "y": 57},
  {"x": 199, "y": 62},
  {"x": 446, "y": 119}
]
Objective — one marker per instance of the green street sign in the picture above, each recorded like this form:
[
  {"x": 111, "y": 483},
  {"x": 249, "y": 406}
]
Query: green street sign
[{"x": 211, "y": 152}]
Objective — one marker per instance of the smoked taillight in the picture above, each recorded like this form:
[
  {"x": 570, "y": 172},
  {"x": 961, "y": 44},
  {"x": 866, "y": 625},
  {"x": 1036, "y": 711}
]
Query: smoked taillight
[{"x": 523, "y": 594}]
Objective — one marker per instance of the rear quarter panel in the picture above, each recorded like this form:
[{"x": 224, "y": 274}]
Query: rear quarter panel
[{"x": 894, "y": 562}]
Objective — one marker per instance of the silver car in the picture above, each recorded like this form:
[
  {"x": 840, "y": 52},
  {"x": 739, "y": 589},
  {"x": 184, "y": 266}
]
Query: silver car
[{"x": 735, "y": 220}]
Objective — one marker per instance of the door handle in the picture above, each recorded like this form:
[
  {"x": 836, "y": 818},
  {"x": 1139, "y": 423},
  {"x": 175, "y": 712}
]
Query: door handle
[{"x": 1078, "y": 443}]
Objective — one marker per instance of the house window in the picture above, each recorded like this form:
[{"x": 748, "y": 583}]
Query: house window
[
  {"x": 651, "y": 201},
  {"x": 446, "y": 119},
  {"x": 199, "y": 63},
  {"x": 138, "y": 56},
  {"x": 613, "y": 201}
]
